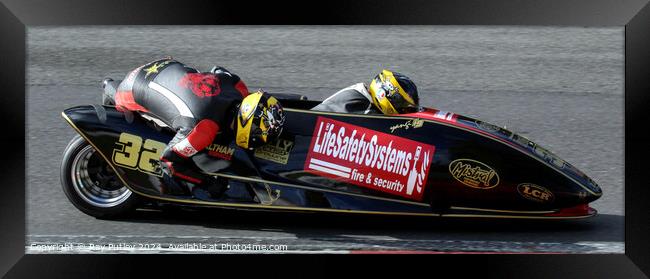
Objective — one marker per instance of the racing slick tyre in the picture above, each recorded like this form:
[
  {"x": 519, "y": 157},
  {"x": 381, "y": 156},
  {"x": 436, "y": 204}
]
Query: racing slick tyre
[{"x": 91, "y": 184}]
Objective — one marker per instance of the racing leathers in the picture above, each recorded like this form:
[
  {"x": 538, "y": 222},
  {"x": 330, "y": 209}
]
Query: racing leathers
[
  {"x": 197, "y": 105},
  {"x": 353, "y": 99}
]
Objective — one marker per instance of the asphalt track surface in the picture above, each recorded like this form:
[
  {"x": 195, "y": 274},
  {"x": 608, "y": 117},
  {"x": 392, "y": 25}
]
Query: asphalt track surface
[{"x": 562, "y": 87}]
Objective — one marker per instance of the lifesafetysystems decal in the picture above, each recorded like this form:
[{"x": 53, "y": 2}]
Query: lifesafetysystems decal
[{"x": 369, "y": 158}]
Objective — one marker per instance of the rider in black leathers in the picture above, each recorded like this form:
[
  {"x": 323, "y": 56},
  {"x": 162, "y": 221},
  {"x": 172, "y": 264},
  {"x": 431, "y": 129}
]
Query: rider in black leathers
[{"x": 198, "y": 106}]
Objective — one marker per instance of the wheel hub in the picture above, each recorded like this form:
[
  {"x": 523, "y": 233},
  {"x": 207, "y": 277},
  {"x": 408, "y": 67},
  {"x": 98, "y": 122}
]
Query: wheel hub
[{"x": 95, "y": 181}]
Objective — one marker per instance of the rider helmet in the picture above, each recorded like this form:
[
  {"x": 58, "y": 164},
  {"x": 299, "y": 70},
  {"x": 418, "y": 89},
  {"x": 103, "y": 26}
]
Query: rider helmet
[
  {"x": 394, "y": 93},
  {"x": 260, "y": 118}
]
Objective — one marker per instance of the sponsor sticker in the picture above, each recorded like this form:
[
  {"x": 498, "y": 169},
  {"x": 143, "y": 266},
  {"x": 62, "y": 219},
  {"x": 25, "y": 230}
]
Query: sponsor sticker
[
  {"x": 474, "y": 174},
  {"x": 445, "y": 115},
  {"x": 369, "y": 158},
  {"x": 246, "y": 109},
  {"x": 277, "y": 152},
  {"x": 155, "y": 68},
  {"x": 413, "y": 123},
  {"x": 220, "y": 151},
  {"x": 535, "y": 192},
  {"x": 184, "y": 148},
  {"x": 381, "y": 95}
]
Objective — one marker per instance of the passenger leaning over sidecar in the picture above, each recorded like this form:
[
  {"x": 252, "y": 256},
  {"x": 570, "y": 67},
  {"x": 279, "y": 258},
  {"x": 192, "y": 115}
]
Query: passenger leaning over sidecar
[
  {"x": 388, "y": 93},
  {"x": 199, "y": 106}
]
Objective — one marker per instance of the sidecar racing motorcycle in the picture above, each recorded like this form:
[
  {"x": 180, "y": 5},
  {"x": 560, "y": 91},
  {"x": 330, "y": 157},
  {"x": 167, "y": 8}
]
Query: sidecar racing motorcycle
[{"x": 428, "y": 163}]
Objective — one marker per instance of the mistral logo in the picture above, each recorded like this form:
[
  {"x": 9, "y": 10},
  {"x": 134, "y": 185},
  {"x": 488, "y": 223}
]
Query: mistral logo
[{"x": 369, "y": 158}]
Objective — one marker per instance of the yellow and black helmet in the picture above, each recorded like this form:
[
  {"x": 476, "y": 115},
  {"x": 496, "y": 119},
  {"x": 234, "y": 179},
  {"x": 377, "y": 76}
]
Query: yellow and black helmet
[
  {"x": 259, "y": 120},
  {"x": 394, "y": 93}
]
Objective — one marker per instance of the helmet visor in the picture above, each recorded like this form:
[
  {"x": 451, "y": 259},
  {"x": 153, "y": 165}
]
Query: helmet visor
[{"x": 400, "y": 104}]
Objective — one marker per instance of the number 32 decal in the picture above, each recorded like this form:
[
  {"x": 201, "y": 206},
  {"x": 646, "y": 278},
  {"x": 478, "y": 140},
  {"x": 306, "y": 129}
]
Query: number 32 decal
[{"x": 132, "y": 154}]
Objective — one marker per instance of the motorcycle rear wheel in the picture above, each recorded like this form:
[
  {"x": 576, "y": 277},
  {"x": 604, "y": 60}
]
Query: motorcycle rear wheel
[{"x": 91, "y": 185}]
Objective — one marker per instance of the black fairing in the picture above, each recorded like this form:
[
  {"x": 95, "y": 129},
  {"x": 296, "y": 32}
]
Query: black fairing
[{"x": 464, "y": 146}]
